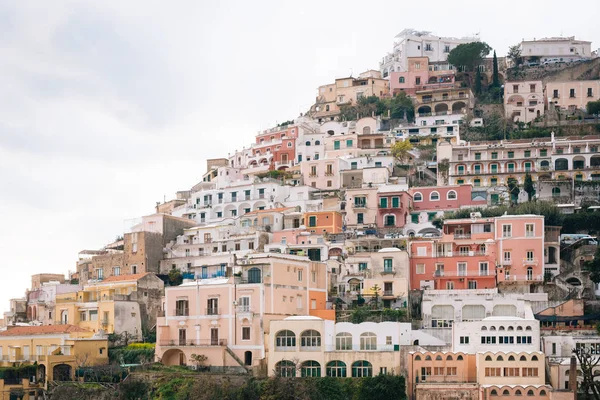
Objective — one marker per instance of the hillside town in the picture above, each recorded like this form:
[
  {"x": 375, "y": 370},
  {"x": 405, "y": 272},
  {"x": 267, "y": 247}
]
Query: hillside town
[{"x": 421, "y": 219}]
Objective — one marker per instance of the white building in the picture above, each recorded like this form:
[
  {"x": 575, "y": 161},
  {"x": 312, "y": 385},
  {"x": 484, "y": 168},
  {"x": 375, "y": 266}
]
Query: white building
[
  {"x": 413, "y": 43},
  {"x": 562, "y": 48}
]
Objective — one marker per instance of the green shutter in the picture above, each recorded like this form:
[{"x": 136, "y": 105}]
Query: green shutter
[
  {"x": 349, "y": 143},
  {"x": 383, "y": 202},
  {"x": 312, "y": 221},
  {"x": 395, "y": 202},
  {"x": 336, "y": 145},
  {"x": 414, "y": 218}
]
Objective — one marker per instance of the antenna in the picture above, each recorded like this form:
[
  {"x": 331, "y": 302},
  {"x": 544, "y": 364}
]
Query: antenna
[{"x": 350, "y": 72}]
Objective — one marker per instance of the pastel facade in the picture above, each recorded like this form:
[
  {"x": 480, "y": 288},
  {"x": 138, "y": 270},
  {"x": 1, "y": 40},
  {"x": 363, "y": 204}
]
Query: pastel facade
[
  {"x": 361, "y": 206},
  {"x": 421, "y": 75},
  {"x": 572, "y": 95},
  {"x": 347, "y": 91},
  {"x": 448, "y": 101},
  {"x": 226, "y": 318},
  {"x": 323, "y": 173},
  {"x": 323, "y": 221},
  {"x": 447, "y": 368},
  {"x": 58, "y": 350},
  {"x": 116, "y": 305},
  {"x": 523, "y": 101},
  {"x": 309, "y": 346},
  {"x": 42, "y": 300},
  {"x": 393, "y": 207},
  {"x": 562, "y": 48},
  {"x": 413, "y": 43}
]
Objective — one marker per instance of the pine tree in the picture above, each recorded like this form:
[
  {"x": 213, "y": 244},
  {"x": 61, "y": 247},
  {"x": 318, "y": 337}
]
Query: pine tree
[
  {"x": 478, "y": 82},
  {"x": 495, "y": 78}
]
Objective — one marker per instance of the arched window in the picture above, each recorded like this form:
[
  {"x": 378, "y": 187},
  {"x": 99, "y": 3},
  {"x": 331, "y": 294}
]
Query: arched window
[
  {"x": 254, "y": 275},
  {"x": 343, "y": 341},
  {"x": 310, "y": 340},
  {"x": 523, "y": 358},
  {"x": 488, "y": 358},
  {"x": 510, "y": 328},
  {"x": 492, "y": 328},
  {"x": 499, "y": 358},
  {"x": 542, "y": 392},
  {"x": 448, "y": 357},
  {"x": 361, "y": 369},
  {"x": 484, "y": 328},
  {"x": 505, "y": 393},
  {"x": 530, "y": 393},
  {"x": 519, "y": 328},
  {"x": 317, "y": 142},
  {"x": 417, "y": 358},
  {"x": 493, "y": 392},
  {"x": 534, "y": 358},
  {"x": 336, "y": 369},
  {"x": 330, "y": 133},
  {"x": 285, "y": 368},
  {"x": 518, "y": 392},
  {"x": 307, "y": 143},
  {"x": 285, "y": 339},
  {"x": 501, "y": 328},
  {"x": 438, "y": 358},
  {"x": 528, "y": 328},
  {"x": 459, "y": 358},
  {"x": 289, "y": 144},
  {"x": 417, "y": 197},
  {"x": 434, "y": 196},
  {"x": 555, "y": 191},
  {"x": 451, "y": 195},
  {"x": 310, "y": 368},
  {"x": 511, "y": 358},
  {"x": 368, "y": 341},
  {"x": 427, "y": 358}
]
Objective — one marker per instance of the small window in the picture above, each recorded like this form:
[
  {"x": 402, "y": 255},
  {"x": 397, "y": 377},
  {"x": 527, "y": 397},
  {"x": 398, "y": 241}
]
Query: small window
[
  {"x": 451, "y": 195},
  {"x": 488, "y": 358},
  {"x": 459, "y": 358},
  {"x": 417, "y": 197},
  {"x": 434, "y": 196},
  {"x": 417, "y": 358}
]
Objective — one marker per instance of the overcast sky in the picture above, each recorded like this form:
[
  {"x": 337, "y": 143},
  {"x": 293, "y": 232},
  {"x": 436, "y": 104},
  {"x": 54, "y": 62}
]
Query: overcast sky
[{"x": 108, "y": 106}]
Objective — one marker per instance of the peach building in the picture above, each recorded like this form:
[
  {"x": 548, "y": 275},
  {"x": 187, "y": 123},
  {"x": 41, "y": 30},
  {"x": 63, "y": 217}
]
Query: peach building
[
  {"x": 426, "y": 369},
  {"x": 421, "y": 75},
  {"x": 323, "y": 221},
  {"x": 523, "y": 101},
  {"x": 480, "y": 253},
  {"x": 572, "y": 95},
  {"x": 226, "y": 318}
]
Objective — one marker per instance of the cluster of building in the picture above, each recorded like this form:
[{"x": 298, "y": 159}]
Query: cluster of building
[{"x": 282, "y": 239}]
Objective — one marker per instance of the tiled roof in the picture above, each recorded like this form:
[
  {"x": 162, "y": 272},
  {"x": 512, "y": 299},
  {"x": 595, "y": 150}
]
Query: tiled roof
[
  {"x": 41, "y": 330},
  {"x": 120, "y": 278}
]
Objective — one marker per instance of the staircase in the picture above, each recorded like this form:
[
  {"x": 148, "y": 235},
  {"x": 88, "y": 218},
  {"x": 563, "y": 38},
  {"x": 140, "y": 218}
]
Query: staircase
[{"x": 236, "y": 358}]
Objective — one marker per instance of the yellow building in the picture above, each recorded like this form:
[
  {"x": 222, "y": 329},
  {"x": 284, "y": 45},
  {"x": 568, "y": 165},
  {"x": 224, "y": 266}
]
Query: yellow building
[
  {"x": 58, "y": 351},
  {"x": 117, "y": 304}
]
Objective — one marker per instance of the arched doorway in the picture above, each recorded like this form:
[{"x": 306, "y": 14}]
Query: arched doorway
[
  {"x": 423, "y": 110},
  {"x": 64, "y": 317},
  {"x": 441, "y": 109},
  {"x": 458, "y": 107},
  {"x": 173, "y": 357},
  {"x": 62, "y": 372},
  {"x": 248, "y": 358}
]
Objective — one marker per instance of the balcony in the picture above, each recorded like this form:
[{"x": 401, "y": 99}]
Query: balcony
[
  {"x": 530, "y": 261},
  {"x": 197, "y": 343},
  {"x": 462, "y": 274},
  {"x": 524, "y": 278},
  {"x": 388, "y": 293},
  {"x": 213, "y": 311},
  {"x": 181, "y": 312},
  {"x": 506, "y": 262},
  {"x": 388, "y": 271},
  {"x": 359, "y": 205},
  {"x": 462, "y": 236}
]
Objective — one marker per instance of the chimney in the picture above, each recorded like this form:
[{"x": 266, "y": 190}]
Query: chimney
[{"x": 573, "y": 375}]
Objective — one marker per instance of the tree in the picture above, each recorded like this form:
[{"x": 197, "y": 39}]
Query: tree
[
  {"x": 376, "y": 289},
  {"x": 478, "y": 82},
  {"x": 401, "y": 107},
  {"x": 593, "y": 267},
  {"x": 400, "y": 151},
  {"x": 468, "y": 55},
  {"x": 528, "y": 186},
  {"x": 495, "y": 77},
  {"x": 199, "y": 360},
  {"x": 593, "y": 107},
  {"x": 514, "y": 54},
  {"x": 175, "y": 277},
  {"x": 587, "y": 362},
  {"x": 443, "y": 169}
]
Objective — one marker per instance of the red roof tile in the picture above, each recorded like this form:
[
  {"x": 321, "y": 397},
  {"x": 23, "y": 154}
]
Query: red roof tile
[{"x": 41, "y": 330}]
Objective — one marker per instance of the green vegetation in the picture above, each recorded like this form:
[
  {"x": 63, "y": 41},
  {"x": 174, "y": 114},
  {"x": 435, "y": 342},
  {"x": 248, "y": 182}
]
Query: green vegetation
[
  {"x": 134, "y": 353},
  {"x": 514, "y": 54},
  {"x": 400, "y": 151},
  {"x": 593, "y": 267},
  {"x": 552, "y": 215},
  {"x": 207, "y": 387},
  {"x": 18, "y": 372},
  {"x": 468, "y": 55},
  {"x": 593, "y": 107},
  {"x": 175, "y": 277},
  {"x": 586, "y": 222},
  {"x": 397, "y": 107},
  {"x": 495, "y": 74}
]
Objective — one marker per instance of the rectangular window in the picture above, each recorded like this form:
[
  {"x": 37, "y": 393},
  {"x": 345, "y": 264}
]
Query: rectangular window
[
  {"x": 395, "y": 202},
  {"x": 506, "y": 231},
  {"x": 83, "y": 316},
  {"x": 527, "y": 153},
  {"x": 383, "y": 202},
  {"x": 590, "y": 92},
  {"x": 530, "y": 255},
  {"x": 571, "y": 92},
  {"x": 117, "y": 271},
  {"x": 555, "y": 94},
  {"x": 493, "y": 372},
  {"x": 362, "y": 266},
  {"x": 511, "y": 154},
  {"x": 464, "y": 340},
  {"x": 348, "y": 143},
  {"x": 414, "y": 218},
  {"x": 472, "y": 284},
  {"x": 478, "y": 156},
  {"x": 532, "y": 88},
  {"x": 299, "y": 275},
  {"x": 312, "y": 221},
  {"x": 483, "y": 269},
  {"x": 494, "y": 155},
  {"x": 336, "y": 145},
  {"x": 530, "y": 372},
  {"x": 245, "y": 333},
  {"x": 360, "y": 218},
  {"x": 388, "y": 265},
  {"x": 529, "y": 230},
  {"x": 420, "y": 269}
]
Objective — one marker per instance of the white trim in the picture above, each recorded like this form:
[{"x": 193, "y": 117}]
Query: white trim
[
  {"x": 448, "y": 195},
  {"x": 431, "y": 193},
  {"x": 418, "y": 193}
]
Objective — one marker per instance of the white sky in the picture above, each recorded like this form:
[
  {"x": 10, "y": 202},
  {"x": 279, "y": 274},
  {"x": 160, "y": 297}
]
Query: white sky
[{"x": 107, "y": 106}]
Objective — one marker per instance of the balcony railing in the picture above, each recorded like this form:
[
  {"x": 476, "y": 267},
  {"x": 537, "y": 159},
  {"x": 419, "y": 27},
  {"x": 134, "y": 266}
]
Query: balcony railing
[
  {"x": 181, "y": 312},
  {"x": 506, "y": 262},
  {"x": 530, "y": 261},
  {"x": 524, "y": 278},
  {"x": 213, "y": 311},
  {"x": 461, "y": 274},
  {"x": 201, "y": 342},
  {"x": 458, "y": 236},
  {"x": 388, "y": 293},
  {"x": 359, "y": 205},
  {"x": 388, "y": 271}
]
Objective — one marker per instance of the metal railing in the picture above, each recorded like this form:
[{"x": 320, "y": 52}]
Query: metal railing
[
  {"x": 458, "y": 236},
  {"x": 201, "y": 342}
]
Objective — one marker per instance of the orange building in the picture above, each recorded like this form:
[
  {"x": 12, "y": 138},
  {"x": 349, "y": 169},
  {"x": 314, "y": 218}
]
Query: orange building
[{"x": 323, "y": 221}]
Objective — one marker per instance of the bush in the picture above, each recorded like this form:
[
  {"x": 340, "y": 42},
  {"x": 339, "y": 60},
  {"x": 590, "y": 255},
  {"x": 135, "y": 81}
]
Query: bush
[
  {"x": 131, "y": 355},
  {"x": 133, "y": 346}
]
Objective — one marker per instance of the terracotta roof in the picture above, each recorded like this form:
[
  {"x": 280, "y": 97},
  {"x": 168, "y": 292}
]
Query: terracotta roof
[
  {"x": 41, "y": 330},
  {"x": 120, "y": 278}
]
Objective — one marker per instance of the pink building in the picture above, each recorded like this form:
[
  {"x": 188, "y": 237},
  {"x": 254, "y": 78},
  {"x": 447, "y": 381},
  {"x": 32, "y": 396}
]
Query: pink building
[
  {"x": 226, "y": 318},
  {"x": 480, "y": 253},
  {"x": 394, "y": 204},
  {"x": 446, "y": 198},
  {"x": 421, "y": 76}
]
